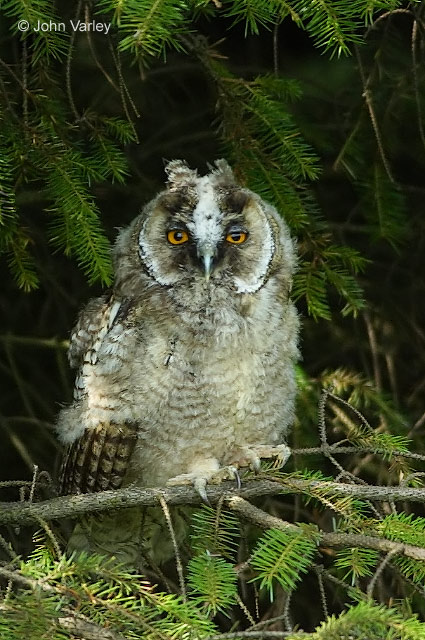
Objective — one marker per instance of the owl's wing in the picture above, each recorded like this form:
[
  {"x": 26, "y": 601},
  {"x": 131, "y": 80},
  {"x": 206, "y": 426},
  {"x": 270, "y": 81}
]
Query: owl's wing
[
  {"x": 93, "y": 323},
  {"x": 98, "y": 459}
]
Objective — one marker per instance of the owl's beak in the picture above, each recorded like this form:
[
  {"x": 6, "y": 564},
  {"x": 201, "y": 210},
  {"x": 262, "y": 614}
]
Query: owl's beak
[
  {"x": 207, "y": 259},
  {"x": 206, "y": 255}
]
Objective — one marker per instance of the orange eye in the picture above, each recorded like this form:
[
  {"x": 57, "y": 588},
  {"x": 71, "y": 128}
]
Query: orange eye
[
  {"x": 178, "y": 236},
  {"x": 236, "y": 237}
]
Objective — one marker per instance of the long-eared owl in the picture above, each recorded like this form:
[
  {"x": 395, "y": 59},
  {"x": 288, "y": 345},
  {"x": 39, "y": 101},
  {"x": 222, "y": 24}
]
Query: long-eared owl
[{"x": 186, "y": 369}]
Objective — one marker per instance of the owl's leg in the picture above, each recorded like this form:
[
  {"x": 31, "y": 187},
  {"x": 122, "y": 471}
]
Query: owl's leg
[
  {"x": 203, "y": 472},
  {"x": 250, "y": 456}
]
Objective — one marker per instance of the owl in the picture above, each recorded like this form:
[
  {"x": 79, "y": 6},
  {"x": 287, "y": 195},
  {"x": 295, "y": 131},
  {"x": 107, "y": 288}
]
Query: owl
[{"x": 185, "y": 370}]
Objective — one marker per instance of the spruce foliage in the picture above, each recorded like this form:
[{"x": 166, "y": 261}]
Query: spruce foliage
[{"x": 332, "y": 134}]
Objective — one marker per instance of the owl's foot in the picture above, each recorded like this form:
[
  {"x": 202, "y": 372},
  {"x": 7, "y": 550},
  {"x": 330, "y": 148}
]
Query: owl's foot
[
  {"x": 251, "y": 456},
  {"x": 200, "y": 478}
]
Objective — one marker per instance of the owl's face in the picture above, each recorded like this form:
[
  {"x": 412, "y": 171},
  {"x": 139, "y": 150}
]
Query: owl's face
[{"x": 208, "y": 231}]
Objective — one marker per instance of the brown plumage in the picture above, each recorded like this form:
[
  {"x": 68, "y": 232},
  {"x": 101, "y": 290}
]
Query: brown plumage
[{"x": 98, "y": 460}]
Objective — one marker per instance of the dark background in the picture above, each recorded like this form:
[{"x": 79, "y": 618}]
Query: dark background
[{"x": 383, "y": 348}]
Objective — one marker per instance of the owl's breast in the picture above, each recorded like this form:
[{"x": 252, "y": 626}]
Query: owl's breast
[
  {"x": 197, "y": 385},
  {"x": 204, "y": 388}
]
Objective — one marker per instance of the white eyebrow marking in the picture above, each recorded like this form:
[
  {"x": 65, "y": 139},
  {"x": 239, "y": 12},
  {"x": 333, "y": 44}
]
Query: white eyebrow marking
[{"x": 207, "y": 217}]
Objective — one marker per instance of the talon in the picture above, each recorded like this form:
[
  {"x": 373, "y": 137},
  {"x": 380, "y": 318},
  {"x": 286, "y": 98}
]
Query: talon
[
  {"x": 282, "y": 458},
  {"x": 256, "y": 464},
  {"x": 200, "y": 477},
  {"x": 200, "y": 486},
  {"x": 252, "y": 456},
  {"x": 232, "y": 471}
]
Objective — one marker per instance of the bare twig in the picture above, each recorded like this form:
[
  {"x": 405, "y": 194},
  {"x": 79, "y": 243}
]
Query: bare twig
[
  {"x": 337, "y": 448},
  {"x": 379, "y": 571},
  {"x": 287, "y": 611},
  {"x": 33, "y": 483},
  {"x": 322, "y": 592},
  {"x": 276, "y": 49},
  {"x": 245, "y": 609},
  {"x": 25, "y": 82},
  {"x": 33, "y": 341},
  {"x": 239, "y": 635},
  {"x": 94, "y": 54},
  {"x": 124, "y": 93},
  {"x": 323, "y": 433},
  {"x": 68, "y": 67},
  {"x": 384, "y": 16},
  {"x": 8, "y": 548},
  {"x": 367, "y": 95},
  {"x": 416, "y": 83},
  {"x": 177, "y": 556},
  {"x": 374, "y": 349}
]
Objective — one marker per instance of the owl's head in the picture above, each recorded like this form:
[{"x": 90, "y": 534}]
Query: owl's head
[{"x": 203, "y": 232}]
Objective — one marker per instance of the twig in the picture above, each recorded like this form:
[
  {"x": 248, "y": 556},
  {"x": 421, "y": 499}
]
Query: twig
[
  {"x": 124, "y": 92},
  {"x": 8, "y": 548},
  {"x": 77, "y": 624},
  {"x": 33, "y": 483},
  {"x": 266, "y": 521},
  {"x": 276, "y": 49},
  {"x": 245, "y": 609},
  {"x": 239, "y": 635},
  {"x": 33, "y": 341},
  {"x": 323, "y": 432},
  {"x": 384, "y": 16},
  {"x": 88, "y": 630},
  {"x": 287, "y": 612},
  {"x": 25, "y": 82},
  {"x": 94, "y": 54},
  {"x": 416, "y": 83},
  {"x": 322, "y": 592},
  {"x": 336, "y": 448},
  {"x": 374, "y": 349},
  {"x": 367, "y": 95},
  {"x": 177, "y": 556},
  {"x": 379, "y": 571},
  {"x": 68, "y": 67},
  {"x": 77, "y": 505}
]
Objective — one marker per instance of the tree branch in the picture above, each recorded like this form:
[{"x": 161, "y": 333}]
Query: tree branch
[
  {"x": 264, "y": 520},
  {"x": 74, "y": 506},
  {"x": 87, "y": 630}
]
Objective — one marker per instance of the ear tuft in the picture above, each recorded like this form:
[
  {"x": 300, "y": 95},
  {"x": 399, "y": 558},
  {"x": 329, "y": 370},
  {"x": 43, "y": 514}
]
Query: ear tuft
[
  {"x": 222, "y": 174},
  {"x": 179, "y": 174}
]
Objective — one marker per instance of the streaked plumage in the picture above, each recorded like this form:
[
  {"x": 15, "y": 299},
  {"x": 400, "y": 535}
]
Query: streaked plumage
[{"x": 187, "y": 367}]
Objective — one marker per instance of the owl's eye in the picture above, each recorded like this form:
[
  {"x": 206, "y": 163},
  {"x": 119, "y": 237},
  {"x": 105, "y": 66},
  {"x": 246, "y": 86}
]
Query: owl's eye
[
  {"x": 177, "y": 236},
  {"x": 236, "y": 237}
]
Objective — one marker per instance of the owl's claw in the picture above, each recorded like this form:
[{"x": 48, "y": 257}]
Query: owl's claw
[
  {"x": 200, "y": 485},
  {"x": 251, "y": 456},
  {"x": 256, "y": 463},
  {"x": 199, "y": 481}
]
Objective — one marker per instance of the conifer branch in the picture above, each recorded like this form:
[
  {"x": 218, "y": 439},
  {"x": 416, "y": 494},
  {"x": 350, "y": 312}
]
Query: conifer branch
[
  {"x": 86, "y": 630},
  {"x": 335, "y": 540},
  {"x": 74, "y": 506}
]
